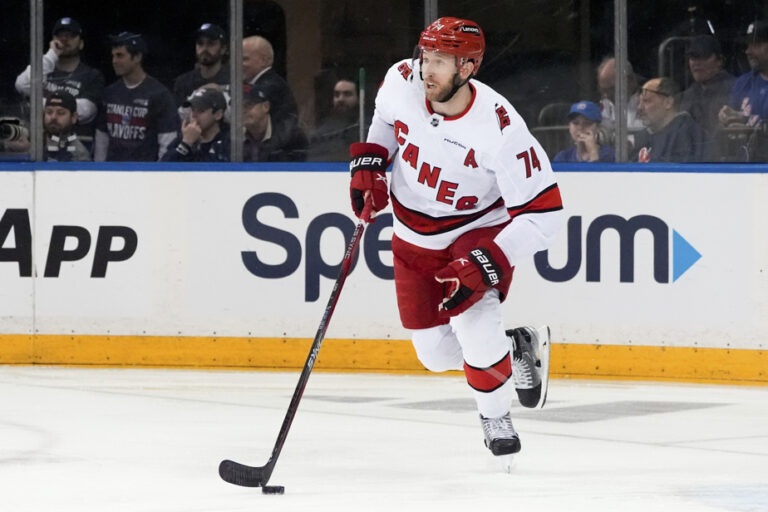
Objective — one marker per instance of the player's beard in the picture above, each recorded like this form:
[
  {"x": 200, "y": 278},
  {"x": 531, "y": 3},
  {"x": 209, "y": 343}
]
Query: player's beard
[{"x": 444, "y": 94}]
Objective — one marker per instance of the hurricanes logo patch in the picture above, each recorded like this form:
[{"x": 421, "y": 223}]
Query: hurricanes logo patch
[
  {"x": 404, "y": 70},
  {"x": 503, "y": 117}
]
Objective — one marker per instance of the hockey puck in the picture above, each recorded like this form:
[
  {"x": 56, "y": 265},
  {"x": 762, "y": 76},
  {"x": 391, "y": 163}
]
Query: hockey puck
[{"x": 273, "y": 489}]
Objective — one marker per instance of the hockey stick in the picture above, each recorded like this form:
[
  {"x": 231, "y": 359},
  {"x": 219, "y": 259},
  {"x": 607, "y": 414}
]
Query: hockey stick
[{"x": 251, "y": 476}]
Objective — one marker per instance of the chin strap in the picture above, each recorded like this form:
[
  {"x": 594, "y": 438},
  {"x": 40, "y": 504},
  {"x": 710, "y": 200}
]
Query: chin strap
[{"x": 456, "y": 86}]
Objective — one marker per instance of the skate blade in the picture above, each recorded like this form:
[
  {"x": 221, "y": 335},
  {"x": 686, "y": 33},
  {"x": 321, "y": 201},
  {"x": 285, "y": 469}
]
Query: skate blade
[
  {"x": 507, "y": 462},
  {"x": 545, "y": 344}
]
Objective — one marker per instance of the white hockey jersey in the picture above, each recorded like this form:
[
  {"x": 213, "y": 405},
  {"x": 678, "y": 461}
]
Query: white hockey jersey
[{"x": 454, "y": 174}]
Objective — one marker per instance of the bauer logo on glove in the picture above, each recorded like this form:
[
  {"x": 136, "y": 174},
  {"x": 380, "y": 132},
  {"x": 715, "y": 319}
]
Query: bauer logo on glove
[
  {"x": 483, "y": 260},
  {"x": 368, "y": 169},
  {"x": 465, "y": 280},
  {"x": 366, "y": 161}
]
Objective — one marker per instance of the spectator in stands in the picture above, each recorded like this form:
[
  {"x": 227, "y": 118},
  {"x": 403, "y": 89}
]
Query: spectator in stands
[
  {"x": 211, "y": 67},
  {"x": 65, "y": 71},
  {"x": 258, "y": 58},
  {"x": 262, "y": 143},
  {"x": 59, "y": 119},
  {"x": 711, "y": 83},
  {"x": 670, "y": 135},
  {"x": 331, "y": 139},
  {"x": 589, "y": 140},
  {"x": 709, "y": 90},
  {"x": 748, "y": 103},
  {"x": 138, "y": 117},
  {"x": 606, "y": 83},
  {"x": 204, "y": 136}
]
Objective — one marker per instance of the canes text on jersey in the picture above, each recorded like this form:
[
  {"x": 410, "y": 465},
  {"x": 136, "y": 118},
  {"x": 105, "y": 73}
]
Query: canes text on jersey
[{"x": 429, "y": 175}]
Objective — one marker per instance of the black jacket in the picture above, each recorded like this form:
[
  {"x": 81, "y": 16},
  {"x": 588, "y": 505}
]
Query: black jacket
[
  {"x": 282, "y": 146},
  {"x": 682, "y": 140},
  {"x": 217, "y": 150}
]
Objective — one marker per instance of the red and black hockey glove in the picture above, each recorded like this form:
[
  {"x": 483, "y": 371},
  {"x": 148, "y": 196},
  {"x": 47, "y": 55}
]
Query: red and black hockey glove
[
  {"x": 368, "y": 168},
  {"x": 466, "y": 280}
]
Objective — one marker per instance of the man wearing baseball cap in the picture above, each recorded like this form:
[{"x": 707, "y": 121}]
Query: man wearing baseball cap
[
  {"x": 262, "y": 142},
  {"x": 65, "y": 71},
  {"x": 138, "y": 117},
  {"x": 709, "y": 90},
  {"x": 211, "y": 66},
  {"x": 204, "y": 135},
  {"x": 584, "y": 120},
  {"x": 748, "y": 101},
  {"x": 59, "y": 118}
]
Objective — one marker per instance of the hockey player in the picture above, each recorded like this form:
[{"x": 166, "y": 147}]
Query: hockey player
[{"x": 473, "y": 193}]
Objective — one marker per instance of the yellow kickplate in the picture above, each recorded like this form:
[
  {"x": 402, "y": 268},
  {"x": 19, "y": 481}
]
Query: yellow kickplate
[{"x": 683, "y": 364}]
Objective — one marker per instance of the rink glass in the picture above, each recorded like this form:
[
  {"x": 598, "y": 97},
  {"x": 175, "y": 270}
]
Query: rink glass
[{"x": 542, "y": 55}]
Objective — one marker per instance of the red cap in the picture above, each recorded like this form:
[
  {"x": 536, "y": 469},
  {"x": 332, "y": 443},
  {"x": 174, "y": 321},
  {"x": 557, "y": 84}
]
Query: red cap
[{"x": 462, "y": 38}]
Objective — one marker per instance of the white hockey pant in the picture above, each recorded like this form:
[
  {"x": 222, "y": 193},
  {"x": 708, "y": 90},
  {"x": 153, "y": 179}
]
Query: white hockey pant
[{"x": 475, "y": 337}]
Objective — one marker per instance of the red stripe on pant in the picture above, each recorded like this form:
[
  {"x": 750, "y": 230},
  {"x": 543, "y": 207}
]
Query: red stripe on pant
[{"x": 489, "y": 379}]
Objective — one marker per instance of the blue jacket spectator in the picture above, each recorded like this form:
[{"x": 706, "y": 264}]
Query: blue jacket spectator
[
  {"x": 748, "y": 103},
  {"x": 589, "y": 144}
]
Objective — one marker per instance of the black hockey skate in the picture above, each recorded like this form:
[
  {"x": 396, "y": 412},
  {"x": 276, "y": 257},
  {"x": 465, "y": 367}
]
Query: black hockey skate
[
  {"x": 500, "y": 435},
  {"x": 530, "y": 364}
]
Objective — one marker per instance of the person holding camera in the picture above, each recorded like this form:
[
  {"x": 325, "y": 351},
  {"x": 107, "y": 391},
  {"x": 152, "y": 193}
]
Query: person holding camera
[
  {"x": 588, "y": 138},
  {"x": 59, "y": 120}
]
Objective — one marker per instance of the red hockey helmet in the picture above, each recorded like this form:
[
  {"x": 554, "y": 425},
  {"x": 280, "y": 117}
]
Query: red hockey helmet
[{"x": 462, "y": 38}]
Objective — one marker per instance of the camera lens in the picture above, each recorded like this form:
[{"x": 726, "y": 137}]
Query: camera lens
[{"x": 11, "y": 132}]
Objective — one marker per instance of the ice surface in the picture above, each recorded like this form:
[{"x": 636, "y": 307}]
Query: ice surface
[{"x": 151, "y": 440}]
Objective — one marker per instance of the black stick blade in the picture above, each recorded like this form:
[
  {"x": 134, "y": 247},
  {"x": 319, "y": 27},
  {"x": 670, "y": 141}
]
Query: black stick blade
[{"x": 240, "y": 474}]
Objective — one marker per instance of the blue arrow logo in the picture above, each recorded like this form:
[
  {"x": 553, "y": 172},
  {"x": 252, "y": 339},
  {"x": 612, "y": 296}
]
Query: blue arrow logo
[{"x": 683, "y": 255}]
